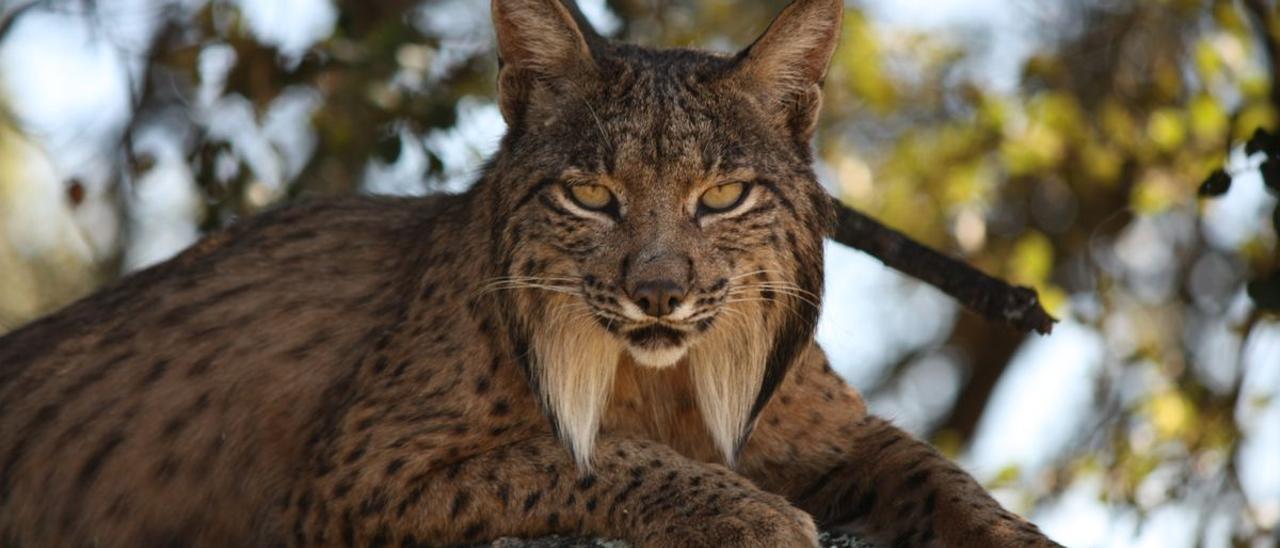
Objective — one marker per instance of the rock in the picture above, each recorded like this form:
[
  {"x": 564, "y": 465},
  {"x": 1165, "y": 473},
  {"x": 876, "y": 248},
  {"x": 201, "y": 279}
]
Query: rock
[{"x": 828, "y": 540}]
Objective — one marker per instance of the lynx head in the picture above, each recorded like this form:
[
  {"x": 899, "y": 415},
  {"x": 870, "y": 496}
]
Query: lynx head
[{"x": 657, "y": 206}]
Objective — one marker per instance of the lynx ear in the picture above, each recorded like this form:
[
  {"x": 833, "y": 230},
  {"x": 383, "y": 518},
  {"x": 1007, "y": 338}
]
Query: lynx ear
[
  {"x": 539, "y": 41},
  {"x": 786, "y": 66}
]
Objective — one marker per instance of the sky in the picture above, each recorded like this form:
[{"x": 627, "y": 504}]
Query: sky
[{"x": 68, "y": 83}]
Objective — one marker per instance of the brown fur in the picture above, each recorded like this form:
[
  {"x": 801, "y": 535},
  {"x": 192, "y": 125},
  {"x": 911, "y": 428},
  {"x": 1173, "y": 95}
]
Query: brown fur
[{"x": 460, "y": 368}]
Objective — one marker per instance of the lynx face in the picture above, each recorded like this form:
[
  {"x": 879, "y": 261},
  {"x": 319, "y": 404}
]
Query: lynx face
[
  {"x": 668, "y": 221},
  {"x": 659, "y": 205}
]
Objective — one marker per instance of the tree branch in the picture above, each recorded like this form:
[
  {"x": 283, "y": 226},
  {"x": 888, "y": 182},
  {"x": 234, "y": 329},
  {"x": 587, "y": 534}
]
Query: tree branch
[
  {"x": 1268, "y": 24},
  {"x": 990, "y": 354},
  {"x": 992, "y": 298},
  {"x": 827, "y": 540},
  {"x": 9, "y": 16}
]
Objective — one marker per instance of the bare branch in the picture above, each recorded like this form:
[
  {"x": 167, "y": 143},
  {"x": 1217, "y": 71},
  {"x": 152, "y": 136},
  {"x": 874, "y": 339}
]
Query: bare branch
[
  {"x": 1268, "y": 23},
  {"x": 9, "y": 16},
  {"x": 992, "y": 298}
]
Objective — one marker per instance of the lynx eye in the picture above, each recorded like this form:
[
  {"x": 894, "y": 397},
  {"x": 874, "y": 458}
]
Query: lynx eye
[
  {"x": 724, "y": 197},
  {"x": 592, "y": 197}
]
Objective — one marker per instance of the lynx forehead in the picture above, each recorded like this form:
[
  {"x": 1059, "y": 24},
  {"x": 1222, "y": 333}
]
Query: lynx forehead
[{"x": 640, "y": 264}]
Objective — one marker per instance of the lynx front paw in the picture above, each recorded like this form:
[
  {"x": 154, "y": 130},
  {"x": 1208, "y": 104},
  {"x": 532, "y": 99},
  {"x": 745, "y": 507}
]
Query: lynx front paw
[{"x": 762, "y": 523}]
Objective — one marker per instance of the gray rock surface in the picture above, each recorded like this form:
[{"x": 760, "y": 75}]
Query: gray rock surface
[{"x": 828, "y": 540}]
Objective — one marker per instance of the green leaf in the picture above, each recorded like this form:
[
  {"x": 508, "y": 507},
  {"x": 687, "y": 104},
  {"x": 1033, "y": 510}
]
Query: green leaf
[
  {"x": 1271, "y": 174},
  {"x": 387, "y": 148},
  {"x": 1217, "y": 184},
  {"x": 1260, "y": 141},
  {"x": 1266, "y": 292}
]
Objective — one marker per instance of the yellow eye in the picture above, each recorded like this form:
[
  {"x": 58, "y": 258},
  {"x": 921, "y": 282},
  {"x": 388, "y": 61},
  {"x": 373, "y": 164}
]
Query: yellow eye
[
  {"x": 593, "y": 197},
  {"x": 723, "y": 197}
]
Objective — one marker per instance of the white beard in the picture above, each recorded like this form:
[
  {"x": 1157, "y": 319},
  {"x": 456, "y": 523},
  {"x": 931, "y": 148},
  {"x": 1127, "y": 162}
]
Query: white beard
[
  {"x": 727, "y": 368},
  {"x": 576, "y": 364}
]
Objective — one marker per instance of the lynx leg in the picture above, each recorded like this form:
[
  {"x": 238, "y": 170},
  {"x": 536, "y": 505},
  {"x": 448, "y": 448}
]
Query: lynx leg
[
  {"x": 639, "y": 491},
  {"x": 899, "y": 489},
  {"x": 817, "y": 445}
]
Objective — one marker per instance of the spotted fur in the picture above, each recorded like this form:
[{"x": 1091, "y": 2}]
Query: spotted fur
[{"x": 372, "y": 372}]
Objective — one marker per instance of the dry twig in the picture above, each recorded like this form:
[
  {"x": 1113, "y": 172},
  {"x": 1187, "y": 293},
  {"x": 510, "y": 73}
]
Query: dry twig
[{"x": 990, "y": 297}]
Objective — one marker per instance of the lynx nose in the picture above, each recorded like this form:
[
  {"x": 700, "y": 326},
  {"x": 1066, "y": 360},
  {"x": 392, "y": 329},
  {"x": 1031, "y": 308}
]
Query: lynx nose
[{"x": 657, "y": 298}]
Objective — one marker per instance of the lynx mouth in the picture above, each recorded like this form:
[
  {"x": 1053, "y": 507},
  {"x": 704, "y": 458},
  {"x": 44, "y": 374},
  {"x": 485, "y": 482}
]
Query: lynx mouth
[
  {"x": 655, "y": 336},
  {"x": 656, "y": 345}
]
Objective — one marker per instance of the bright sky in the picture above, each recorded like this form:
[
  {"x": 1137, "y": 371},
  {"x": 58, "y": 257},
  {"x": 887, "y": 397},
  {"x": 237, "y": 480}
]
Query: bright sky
[{"x": 1005, "y": 26}]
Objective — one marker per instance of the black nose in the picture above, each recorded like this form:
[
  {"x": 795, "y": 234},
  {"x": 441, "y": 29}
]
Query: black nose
[{"x": 657, "y": 298}]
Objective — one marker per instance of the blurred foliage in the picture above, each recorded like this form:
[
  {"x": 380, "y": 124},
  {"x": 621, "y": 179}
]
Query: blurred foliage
[
  {"x": 1080, "y": 181},
  {"x": 34, "y": 281},
  {"x": 1264, "y": 291}
]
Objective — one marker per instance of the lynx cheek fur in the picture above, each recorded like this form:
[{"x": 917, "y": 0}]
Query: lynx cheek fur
[{"x": 610, "y": 334}]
